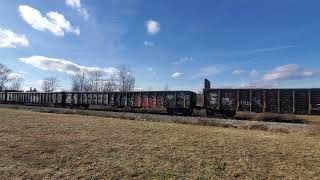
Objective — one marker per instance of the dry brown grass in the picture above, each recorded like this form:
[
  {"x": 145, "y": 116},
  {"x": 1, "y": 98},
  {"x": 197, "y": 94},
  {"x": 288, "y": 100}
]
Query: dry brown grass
[
  {"x": 314, "y": 130},
  {"x": 41, "y": 145},
  {"x": 274, "y": 117},
  {"x": 254, "y": 125}
]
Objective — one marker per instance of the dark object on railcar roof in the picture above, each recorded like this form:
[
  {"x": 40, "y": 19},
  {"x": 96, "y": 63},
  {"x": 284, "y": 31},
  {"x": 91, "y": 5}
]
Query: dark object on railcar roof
[{"x": 207, "y": 84}]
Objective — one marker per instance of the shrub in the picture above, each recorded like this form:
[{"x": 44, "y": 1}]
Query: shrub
[{"x": 273, "y": 117}]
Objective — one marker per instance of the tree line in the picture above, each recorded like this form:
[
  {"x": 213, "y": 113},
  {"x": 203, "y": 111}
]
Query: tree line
[{"x": 96, "y": 80}]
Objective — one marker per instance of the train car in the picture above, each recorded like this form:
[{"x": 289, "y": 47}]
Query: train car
[
  {"x": 33, "y": 98},
  {"x": 292, "y": 101},
  {"x": 172, "y": 102}
]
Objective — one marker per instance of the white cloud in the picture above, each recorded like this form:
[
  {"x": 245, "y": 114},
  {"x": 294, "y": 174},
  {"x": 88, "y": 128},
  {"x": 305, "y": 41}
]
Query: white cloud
[
  {"x": 61, "y": 65},
  {"x": 14, "y": 75},
  {"x": 9, "y": 39},
  {"x": 176, "y": 74},
  {"x": 149, "y": 69},
  {"x": 270, "y": 49},
  {"x": 238, "y": 71},
  {"x": 76, "y": 5},
  {"x": 183, "y": 60},
  {"x": 153, "y": 27},
  {"x": 289, "y": 72},
  {"x": 209, "y": 71},
  {"x": 53, "y": 21},
  {"x": 148, "y": 43}
]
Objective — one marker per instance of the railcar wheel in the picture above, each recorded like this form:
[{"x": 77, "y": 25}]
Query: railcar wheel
[{"x": 170, "y": 111}]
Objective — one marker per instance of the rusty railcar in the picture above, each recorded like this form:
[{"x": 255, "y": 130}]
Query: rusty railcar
[
  {"x": 292, "y": 101},
  {"x": 177, "y": 102}
]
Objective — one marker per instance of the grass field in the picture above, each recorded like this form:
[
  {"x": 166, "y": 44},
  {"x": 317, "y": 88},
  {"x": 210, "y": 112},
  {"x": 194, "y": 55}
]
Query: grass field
[{"x": 41, "y": 145}]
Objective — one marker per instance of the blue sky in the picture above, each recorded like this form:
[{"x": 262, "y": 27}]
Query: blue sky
[{"x": 179, "y": 43}]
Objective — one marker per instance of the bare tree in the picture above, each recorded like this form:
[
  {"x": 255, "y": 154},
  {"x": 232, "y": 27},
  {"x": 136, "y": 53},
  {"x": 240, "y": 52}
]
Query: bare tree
[
  {"x": 32, "y": 90},
  {"x": 16, "y": 83},
  {"x": 79, "y": 82},
  {"x": 166, "y": 87},
  {"x": 126, "y": 79},
  {"x": 50, "y": 84},
  {"x": 111, "y": 84},
  {"x": 4, "y": 76},
  {"x": 96, "y": 80}
]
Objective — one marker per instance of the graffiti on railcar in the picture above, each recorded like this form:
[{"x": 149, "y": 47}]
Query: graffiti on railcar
[
  {"x": 170, "y": 100},
  {"x": 99, "y": 100},
  {"x": 245, "y": 103},
  {"x": 183, "y": 100},
  {"x": 104, "y": 99},
  {"x": 136, "y": 100},
  {"x": 257, "y": 101},
  {"x": 144, "y": 100},
  {"x": 227, "y": 102},
  {"x": 130, "y": 100},
  {"x": 152, "y": 100},
  {"x": 111, "y": 100},
  {"x": 213, "y": 99},
  {"x": 160, "y": 101},
  {"x": 68, "y": 98}
]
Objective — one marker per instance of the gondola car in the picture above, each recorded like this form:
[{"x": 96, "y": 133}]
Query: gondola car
[
  {"x": 172, "y": 102},
  {"x": 222, "y": 101}
]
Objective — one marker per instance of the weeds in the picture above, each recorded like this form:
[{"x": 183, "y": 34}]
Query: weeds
[
  {"x": 314, "y": 130},
  {"x": 271, "y": 117},
  {"x": 254, "y": 126}
]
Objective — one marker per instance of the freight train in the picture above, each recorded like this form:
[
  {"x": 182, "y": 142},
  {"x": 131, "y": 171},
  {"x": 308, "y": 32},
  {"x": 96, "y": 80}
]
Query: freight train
[{"x": 215, "y": 101}]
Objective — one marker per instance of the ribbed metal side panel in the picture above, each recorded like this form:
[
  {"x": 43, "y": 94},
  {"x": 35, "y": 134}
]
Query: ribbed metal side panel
[
  {"x": 315, "y": 101},
  {"x": 228, "y": 100},
  {"x": 286, "y": 101},
  {"x": 152, "y": 100},
  {"x": 257, "y": 101},
  {"x": 170, "y": 100},
  {"x": 160, "y": 100},
  {"x": 244, "y": 100},
  {"x": 301, "y": 101},
  {"x": 272, "y": 100}
]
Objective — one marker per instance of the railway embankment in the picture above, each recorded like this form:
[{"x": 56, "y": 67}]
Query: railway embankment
[{"x": 262, "y": 124}]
